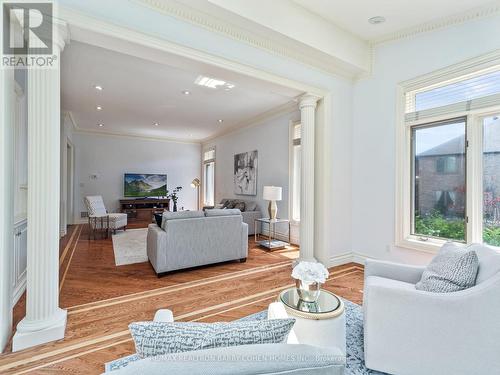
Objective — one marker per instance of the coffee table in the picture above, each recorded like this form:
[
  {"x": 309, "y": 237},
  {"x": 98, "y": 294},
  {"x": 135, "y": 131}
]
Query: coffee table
[{"x": 321, "y": 323}]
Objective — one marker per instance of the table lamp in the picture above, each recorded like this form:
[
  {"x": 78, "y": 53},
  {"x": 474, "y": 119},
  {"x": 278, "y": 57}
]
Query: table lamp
[{"x": 272, "y": 194}]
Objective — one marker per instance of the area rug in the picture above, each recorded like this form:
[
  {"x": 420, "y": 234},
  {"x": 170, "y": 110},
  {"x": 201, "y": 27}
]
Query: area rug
[
  {"x": 130, "y": 246},
  {"x": 354, "y": 338}
]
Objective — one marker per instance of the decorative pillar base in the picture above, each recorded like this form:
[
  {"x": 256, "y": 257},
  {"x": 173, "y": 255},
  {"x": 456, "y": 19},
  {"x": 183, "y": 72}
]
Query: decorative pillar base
[{"x": 28, "y": 335}]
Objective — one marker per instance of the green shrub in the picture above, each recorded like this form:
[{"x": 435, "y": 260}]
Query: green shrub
[{"x": 436, "y": 225}]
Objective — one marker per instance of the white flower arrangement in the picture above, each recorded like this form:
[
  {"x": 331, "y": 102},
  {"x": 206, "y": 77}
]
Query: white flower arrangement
[{"x": 310, "y": 272}]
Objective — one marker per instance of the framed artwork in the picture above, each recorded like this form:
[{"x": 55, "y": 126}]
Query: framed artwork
[{"x": 245, "y": 173}]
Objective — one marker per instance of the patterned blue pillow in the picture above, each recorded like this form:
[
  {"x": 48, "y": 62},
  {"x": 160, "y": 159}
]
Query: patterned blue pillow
[{"x": 158, "y": 338}]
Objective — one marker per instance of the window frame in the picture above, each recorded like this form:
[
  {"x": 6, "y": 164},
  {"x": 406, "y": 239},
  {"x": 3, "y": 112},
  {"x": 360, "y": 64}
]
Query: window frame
[
  {"x": 204, "y": 163},
  {"x": 291, "y": 167},
  {"x": 474, "y": 171}
]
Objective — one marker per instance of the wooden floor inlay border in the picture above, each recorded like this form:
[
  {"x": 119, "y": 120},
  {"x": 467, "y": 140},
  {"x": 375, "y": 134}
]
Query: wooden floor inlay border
[
  {"x": 242, "y": 302},
  {"x": 174, "y": 288}
]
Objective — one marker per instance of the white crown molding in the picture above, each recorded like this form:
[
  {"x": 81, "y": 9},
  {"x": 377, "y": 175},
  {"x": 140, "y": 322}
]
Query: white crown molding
[
  {"x": 254, "y": 121},
  {"x": 470, "y": 15},
  {"x": 80, "y": 130},
  {"x": 303, "y": 54}
]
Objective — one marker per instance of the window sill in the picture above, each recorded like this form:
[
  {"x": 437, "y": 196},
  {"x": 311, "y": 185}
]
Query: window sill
[{"x": 413, "y": 243}]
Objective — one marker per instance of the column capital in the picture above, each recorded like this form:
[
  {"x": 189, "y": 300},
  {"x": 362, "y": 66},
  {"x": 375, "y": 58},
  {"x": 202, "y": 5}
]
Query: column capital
[
  {"x": 61, "y": 33},
  {"x": 308, "y": 100}
]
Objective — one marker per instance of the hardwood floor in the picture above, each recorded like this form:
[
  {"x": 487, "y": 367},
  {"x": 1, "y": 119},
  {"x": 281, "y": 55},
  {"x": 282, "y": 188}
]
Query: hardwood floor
[{"x": 102, "y": 299}]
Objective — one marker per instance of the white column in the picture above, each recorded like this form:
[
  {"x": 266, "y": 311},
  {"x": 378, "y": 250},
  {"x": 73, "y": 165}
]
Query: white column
[
  {"x": 44, "y": 320},
  {"x": 307, "y": 105}
]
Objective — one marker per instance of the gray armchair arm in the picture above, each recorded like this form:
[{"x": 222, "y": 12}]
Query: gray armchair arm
[{"x": 395, "y": 271}]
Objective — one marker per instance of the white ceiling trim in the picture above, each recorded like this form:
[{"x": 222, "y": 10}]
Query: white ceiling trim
[
  {"x": 470, "y": 15},
  {"x": 80, "y": 130},
  {"x": 255, "y": 121},
  {"x": 303, "y": 54}
]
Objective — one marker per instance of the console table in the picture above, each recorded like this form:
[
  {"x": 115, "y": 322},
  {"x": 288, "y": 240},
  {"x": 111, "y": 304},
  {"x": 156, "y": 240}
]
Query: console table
[{"x": 143, "y": 208}]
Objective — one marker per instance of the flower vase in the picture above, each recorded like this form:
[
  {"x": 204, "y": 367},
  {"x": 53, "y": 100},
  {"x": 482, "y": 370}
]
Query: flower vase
[
  {"x": 175, "y": 206},
  {"x": 308, "y": 292}
]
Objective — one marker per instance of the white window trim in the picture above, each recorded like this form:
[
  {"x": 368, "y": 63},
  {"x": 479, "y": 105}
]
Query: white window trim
[
  {"x": 291, "y": 126},
  {"x": 403, "y": 185},
  {"x": 203, "y": 182}
]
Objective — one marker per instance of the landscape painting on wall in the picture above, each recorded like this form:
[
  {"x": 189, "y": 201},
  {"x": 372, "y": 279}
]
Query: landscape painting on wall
[
  {"x": 145, "y": 185},
  {"x": 245, "y": 173}
]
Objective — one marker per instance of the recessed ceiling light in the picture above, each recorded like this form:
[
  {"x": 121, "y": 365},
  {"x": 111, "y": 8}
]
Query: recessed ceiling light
[
  {"x": 376, "y": 20},
  {"x": 100, "y": 125},
  {"x": 99, "y": 108},
  {"x": 220, "y": 121},
  {"x": 98, "y": 88},
  {"x": 156, "y": 124},
  {"x": 213, "y": 83},
  {"x": 185, "y": 92}
]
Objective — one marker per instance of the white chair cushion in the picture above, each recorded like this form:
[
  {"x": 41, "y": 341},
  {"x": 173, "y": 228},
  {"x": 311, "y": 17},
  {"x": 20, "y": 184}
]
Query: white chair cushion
[
  {"x": 95, "y": 205},
  {"x": 489, "y": 262}
]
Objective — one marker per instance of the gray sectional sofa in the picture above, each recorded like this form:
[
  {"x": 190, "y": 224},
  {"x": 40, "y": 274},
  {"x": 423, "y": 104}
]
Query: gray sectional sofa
[
  {"x": 249, "y": 211},
  {"x": 196, "y": 238}
]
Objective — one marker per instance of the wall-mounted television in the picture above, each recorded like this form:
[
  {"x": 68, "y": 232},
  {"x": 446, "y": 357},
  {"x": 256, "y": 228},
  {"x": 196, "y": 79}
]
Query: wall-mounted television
[{"x": 145, "y": 185}]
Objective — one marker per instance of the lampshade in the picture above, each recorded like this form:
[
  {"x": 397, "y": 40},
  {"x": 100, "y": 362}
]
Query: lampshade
[
  {"x": 195, "y": 183},
  {"x": 272, "y": 193}
]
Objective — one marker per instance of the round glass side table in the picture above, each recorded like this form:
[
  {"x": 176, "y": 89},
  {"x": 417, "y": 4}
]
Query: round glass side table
[
  {"x": 327, "y": 306},
  {"x": 320, "y": 323}
]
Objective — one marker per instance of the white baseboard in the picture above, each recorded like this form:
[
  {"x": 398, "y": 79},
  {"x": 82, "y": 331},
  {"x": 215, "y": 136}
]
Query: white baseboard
[
  {"x": 19, "y": 290},
  {"x": 348, "y": 257}
]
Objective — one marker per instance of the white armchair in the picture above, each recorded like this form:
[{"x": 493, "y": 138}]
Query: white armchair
[
  {"x": 99, "y": 218},
  {"x": 413, "y": 332}
]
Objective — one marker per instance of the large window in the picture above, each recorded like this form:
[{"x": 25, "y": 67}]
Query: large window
[
  {"x": 209, "y": 177},
  {"x": 295, "y": 163},
  {"x": 449, "y": 159},
  {"x": 439, "y": 167}
]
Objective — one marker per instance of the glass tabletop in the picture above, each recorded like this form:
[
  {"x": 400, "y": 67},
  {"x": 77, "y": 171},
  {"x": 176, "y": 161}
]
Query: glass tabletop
[
  {"x": 326, "y": 303},
  {"x": 267, "y": 220}
]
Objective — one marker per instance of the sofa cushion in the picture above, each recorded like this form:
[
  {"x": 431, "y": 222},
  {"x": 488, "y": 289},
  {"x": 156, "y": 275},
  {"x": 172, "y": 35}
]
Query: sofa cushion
[
  {"x": 489, "y": 262},
  {"x": 222, "y": 212},
  {"x": 240, "y": 206},
  {"x": 167, "y": 215},
  {"x": 157, "y": 338},
  {"x": 266, "y": 359},
  {"x": 250, "y": 206},
  {"x": 454, "y": 268},
  {"x": 230, "y": 204}
]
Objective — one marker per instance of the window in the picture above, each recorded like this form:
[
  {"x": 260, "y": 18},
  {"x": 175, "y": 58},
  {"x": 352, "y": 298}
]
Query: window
[
  {"x": 209, "y": 177},
  {"x": 491, "y": 180},
  {"x": 446, "y": 165},
  {"x": 438, "y": 183},
  {"x": 449, "y": 158},
  {"x": 295, "y": 164}
]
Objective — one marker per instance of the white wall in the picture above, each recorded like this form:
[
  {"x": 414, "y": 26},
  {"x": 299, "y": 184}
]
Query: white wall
[
  {"x": 374, "y": 126},
  {"x": 271, "y": 139},
  {"x": 109, "y": 157}
]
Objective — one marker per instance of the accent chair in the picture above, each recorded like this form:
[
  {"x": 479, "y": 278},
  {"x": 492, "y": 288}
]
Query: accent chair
[
  {"x": 100, "y": 219},
  {"x": 413, "y": 332}
]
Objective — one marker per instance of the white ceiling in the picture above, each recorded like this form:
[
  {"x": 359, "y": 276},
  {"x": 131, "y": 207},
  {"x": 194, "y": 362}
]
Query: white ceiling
[
  {"x": 138, "y": 92},
  {"x": 353, "y": 15}
]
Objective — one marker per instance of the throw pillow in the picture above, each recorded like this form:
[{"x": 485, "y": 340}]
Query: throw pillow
[
  {"x": 250, "y": 206},
  {"x": 230, "y": 204},
  {"x": 157, "y": 338},
  {"x": 158, "y": 218},
  {"x": 454, "y": 268},
  {"x": 489, "y": 262},
  {"x": 240, "y": 206}
]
